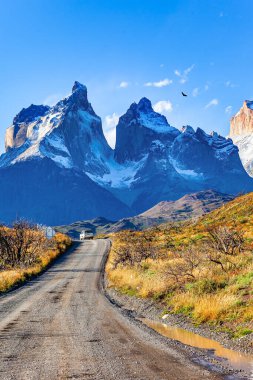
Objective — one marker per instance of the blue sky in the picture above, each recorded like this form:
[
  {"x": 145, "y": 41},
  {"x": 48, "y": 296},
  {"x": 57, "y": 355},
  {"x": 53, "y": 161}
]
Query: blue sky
[{"x": 126, "y": 49}]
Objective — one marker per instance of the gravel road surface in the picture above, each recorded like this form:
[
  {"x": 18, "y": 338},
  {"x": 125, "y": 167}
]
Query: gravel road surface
[{"x": 61, "y": 326}]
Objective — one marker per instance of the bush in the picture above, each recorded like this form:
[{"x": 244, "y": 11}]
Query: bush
[
  {"x": 21, "y": 245},
  {"x": 20, "y": 274},
  {"x": 134, "y": 250},
  {"x": 205, "y": 286}
]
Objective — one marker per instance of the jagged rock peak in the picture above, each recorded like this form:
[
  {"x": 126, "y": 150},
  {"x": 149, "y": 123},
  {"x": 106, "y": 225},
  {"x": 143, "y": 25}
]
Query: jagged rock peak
[
  {"x": 26, "y": 115},
  {"x": 143, "y": 114},
  {"x": 79, "y": 87},
  {"x": 187, "y": 129},
  {"x": 77, "y": 100},
  {"x": 242, "y": 122},
  {"x": 145, "y": 105},
  {"x": 215, "y": 135}
]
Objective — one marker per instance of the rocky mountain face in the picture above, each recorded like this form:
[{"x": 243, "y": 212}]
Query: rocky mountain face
[
  {"x": 16, "y": 134},
  {"x": 163, "y": 163},
  {"x": 59, "y": 168},
  {"x": 48, "y": 153},
  {"x": 141, "y": 130},
  {"x": 242, "y": 122},
  {"x": 241, "y": 131},
  {"x": 70, "y": 134}
]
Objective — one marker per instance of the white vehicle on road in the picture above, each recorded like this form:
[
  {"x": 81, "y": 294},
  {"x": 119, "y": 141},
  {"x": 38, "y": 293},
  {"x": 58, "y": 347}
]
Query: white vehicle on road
[{"x": 86, "y": 234}]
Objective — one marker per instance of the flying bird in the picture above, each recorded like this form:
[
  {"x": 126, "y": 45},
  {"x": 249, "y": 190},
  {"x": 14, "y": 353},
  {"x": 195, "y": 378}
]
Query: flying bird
[{"x": 183, "y": 94}]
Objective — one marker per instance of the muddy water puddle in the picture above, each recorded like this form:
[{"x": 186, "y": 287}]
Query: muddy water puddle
[{"x": 237, "y": 360}]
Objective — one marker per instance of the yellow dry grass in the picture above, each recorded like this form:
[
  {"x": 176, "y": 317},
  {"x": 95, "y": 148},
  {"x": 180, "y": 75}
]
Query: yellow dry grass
[
  {"x": 224, "y": 298},
  {"x": 13, "y": 277}
]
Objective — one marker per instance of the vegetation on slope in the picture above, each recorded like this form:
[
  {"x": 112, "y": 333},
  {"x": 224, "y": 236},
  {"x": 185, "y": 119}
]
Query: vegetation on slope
[
  {"x": 201, "y": 268},
  {"x": 25, "y": 252}
]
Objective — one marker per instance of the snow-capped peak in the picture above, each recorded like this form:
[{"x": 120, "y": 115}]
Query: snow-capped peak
[
  {"x": 69, "y": 133},
  {"x": 144, "y": 115}
]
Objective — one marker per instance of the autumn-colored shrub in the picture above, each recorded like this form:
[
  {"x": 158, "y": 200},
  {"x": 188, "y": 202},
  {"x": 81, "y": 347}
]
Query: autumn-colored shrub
[
  {"x": 25, "y": 252},
  {"x": 202, "y": 267}
]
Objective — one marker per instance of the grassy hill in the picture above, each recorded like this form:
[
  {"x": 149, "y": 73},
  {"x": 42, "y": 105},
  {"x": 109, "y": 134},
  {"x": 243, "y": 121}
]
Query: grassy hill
[{"x": 202, "y": 268}]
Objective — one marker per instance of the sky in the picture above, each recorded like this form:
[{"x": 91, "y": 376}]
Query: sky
[{"x": 123, "y": 50}]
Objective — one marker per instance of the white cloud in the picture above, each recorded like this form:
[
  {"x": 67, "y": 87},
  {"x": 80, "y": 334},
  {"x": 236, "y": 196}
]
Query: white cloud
[
  {"x": 163, "y": 106},
  {"x": 110, "y": 128},
  {"x": 184, "y": 75},
  {"x": 213, "y": 102},
  {"x": 161, "y": 83},
  {"x": 123, "y": 84},
  {"x": 52, "y": 99},
  {"x": 111, "y": 137},
  {"x": 228, "y": 83},
  {"x": 195, "y": 92},
  {"x": 111, "y": 120},
  {"x": 228, "y": 110},
  {"x": 188, "y": 70},
  {"x": 206, "y": 87}
]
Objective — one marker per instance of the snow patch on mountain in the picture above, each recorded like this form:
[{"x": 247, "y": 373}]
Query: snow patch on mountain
[
  {"x": 245, "y": 146},
  {"x": 119, "y": 176},
  {"x": 155, "y": 122},
  {"x": 186, "y": 173}
]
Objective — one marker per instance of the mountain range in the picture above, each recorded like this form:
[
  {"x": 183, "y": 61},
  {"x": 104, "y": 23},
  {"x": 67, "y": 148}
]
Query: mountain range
[
  {"x": 59, "y": 168},
  {"x": 188, "y": 207}
]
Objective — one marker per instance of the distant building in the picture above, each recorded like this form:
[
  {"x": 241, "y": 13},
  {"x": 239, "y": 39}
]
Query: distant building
[{"x": 48, "y": 231}]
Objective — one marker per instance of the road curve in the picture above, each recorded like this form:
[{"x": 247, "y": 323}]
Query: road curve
[{"x": 60, "y": 326}]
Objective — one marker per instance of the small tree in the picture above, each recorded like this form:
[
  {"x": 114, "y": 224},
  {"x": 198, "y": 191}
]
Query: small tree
[
  {"x": 134, "y": 248},
  {"x": 223, "y": 244},
  {"x": 184, "y": 265},
  {"x": 21, "y": 245}
]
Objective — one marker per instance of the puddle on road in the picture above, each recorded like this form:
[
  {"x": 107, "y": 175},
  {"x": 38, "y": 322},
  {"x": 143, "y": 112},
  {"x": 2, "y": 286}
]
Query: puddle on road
[{"x": 236, "y": 359}]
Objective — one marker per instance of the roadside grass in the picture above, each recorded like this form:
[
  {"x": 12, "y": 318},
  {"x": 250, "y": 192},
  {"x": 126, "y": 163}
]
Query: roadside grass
[
  {"x": 174, "y": 264},
  {"x": 9, "y": 278}
]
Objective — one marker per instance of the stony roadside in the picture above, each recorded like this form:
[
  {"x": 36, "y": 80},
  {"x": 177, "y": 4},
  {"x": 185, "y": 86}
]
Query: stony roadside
[{"x": 146, "y": 308}]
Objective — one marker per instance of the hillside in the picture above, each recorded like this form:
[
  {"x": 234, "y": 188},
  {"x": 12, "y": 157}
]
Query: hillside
[
  {"x": 203, "y": 268},
  {"x": 189, "y": 206}
]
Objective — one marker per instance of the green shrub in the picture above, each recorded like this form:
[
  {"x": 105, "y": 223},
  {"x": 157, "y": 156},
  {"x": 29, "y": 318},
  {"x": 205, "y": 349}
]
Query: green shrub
[
  {"x": 244, "y": 279},
  {"x": 205, "y": 286}
]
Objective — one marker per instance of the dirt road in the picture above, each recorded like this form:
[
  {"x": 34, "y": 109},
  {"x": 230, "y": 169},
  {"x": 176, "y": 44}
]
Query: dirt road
[{"x": 61, "y": 326}]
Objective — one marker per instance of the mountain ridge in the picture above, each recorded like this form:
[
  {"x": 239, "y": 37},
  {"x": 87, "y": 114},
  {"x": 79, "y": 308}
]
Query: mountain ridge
[
  {"x": 152, "y": 162},
  {"x": 190, "y": 206}
]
